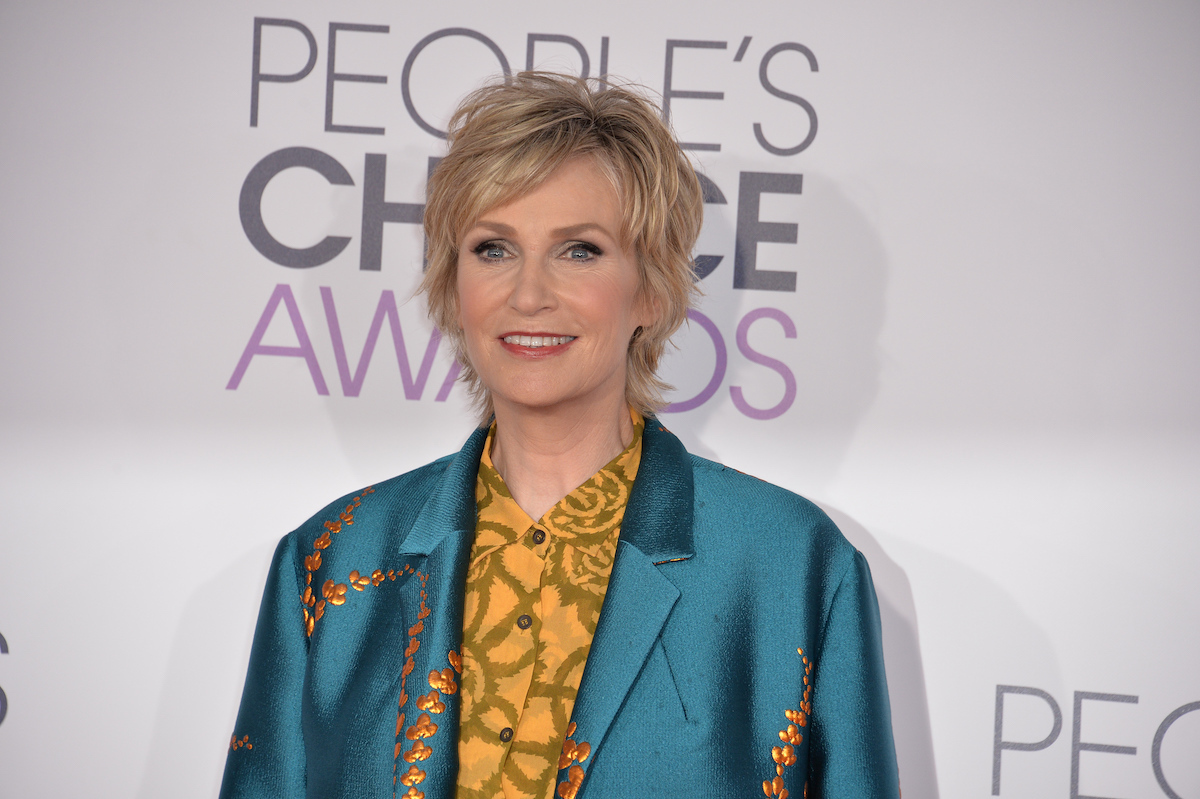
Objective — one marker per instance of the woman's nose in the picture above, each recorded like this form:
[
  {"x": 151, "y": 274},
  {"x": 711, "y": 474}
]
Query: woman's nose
[{"x": 532, "y": 289}]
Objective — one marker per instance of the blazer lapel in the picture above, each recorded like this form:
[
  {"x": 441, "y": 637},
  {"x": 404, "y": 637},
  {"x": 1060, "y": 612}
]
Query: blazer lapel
[
  {"x": 428, "y": 720},
  {"x": 657, "y": 529}
]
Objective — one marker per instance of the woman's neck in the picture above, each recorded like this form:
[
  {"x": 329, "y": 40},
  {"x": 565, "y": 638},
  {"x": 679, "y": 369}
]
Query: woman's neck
[{"x": 545, "y": 454}]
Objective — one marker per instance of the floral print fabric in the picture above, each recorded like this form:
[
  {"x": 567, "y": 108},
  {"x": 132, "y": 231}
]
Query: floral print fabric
[{"x": 533, "y": 597}]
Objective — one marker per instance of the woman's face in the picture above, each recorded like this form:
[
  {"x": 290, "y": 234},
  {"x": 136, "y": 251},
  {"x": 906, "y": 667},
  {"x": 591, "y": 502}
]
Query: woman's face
[{"x": 548, "y": 298}]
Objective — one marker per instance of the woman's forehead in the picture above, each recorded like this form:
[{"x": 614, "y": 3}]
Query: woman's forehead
[{"x": 594, "y": 170}]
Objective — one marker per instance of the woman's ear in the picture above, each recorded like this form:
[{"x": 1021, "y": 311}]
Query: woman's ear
[{"x": 649, "y": 310}]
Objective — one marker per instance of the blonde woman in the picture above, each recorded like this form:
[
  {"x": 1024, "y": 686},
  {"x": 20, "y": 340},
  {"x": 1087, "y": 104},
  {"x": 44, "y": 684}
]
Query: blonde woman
[{"x": 572, "y": 605}]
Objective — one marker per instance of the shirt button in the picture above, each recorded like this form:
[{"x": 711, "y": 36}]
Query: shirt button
[
  {"x": 539, "y": 536},
  {"x": 524, "y": 622},
  {"x": 506, "y": 734}
]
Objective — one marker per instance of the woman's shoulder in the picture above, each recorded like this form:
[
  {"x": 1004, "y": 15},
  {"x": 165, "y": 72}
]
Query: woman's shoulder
[
  {"x": 727, "y": 497},
  {"x": 375, "y": 513}
]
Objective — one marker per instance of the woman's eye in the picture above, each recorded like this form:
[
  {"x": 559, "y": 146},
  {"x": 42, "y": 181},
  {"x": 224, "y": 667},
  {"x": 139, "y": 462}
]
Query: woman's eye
[
  {"x": 490, "y": 251},
  {"x": 582, "y": 252}
]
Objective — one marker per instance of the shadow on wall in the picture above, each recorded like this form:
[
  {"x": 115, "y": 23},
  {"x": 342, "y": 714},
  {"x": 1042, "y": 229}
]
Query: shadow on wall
[
  {"x": 902, "y": 655},
  {"x": 205, "y": 670},
  {"x": 837, "y": 309}
]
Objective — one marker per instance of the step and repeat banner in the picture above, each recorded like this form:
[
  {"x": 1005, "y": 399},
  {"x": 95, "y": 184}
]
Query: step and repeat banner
[{"x": 951, "y": 274}]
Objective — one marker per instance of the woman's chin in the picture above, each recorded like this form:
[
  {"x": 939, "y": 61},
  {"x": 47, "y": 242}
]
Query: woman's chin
[{"x": 544, "y": 397}]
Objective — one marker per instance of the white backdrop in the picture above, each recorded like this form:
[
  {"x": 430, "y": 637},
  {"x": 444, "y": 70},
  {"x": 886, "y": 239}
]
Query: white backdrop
[{"x": 963, "y": 318}]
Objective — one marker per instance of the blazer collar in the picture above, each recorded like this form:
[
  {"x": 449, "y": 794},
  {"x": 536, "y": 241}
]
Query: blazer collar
[
  {"x": 451, "y": 509},
  {"x": 658, "y": 521}
]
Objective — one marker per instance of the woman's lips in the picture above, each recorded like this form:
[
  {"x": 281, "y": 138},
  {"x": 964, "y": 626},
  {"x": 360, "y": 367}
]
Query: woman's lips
[
  {"x": 528, "y": 345},
  {"x": 536, "y": 341}
]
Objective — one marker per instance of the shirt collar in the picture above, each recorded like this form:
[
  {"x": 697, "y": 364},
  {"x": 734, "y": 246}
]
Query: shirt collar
[{"x": 584, "y": 518}]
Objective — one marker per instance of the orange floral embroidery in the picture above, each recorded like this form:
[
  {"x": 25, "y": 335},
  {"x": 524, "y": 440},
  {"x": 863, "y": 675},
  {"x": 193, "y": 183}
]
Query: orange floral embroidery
[
  {"x": 418, "y": 752},
  {"x": 236, "y": 743},
  {"x": 424, "y": 728},
  {"x": 784, "y": 756},
  {"x": 572, "y": 754},
  {"x": 570, "y": 788},
  {"x": 443, "y": 681},
  {"x": 431, "y": 702},
  {"x": 334, "y": 592},
  {"x": 414, "y": 776},
  {"x": 455, "y": 660},
  {"x": 791, "y": 736}
]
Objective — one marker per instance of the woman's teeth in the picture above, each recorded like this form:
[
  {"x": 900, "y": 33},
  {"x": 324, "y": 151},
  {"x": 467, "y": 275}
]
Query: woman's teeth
[{"x": 538, "y": 341}]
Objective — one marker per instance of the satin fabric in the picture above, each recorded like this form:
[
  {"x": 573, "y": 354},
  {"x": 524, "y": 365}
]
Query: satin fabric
[{"x": 735, "y": 610}]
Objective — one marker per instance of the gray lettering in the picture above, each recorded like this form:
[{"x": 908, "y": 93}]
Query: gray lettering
[
  {"x": 331, "y": 75},
  {"x": 256, "y": 74},
  {"x": 998, "y": 742},
  {"x": 406, "y": 75},
  {"x": 751, "y": 230},
  {"x": 1078, "y": 746},
  {"x": 705, "y": 264},
  {"x": 3, "y": 697},
  {"x": 791, "y": 98},
  {"x": 250, "y": 206},
  {"x": 669, "y": 93},
  {"x": 1156, "y": 747},
  {"x": 377, "y": 211}
]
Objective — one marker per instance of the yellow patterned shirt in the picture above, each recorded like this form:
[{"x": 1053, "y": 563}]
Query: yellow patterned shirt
[{"x": 533, "y": 597}]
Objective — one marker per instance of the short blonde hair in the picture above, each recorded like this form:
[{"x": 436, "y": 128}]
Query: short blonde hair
[{"x": 508, "y": 137}]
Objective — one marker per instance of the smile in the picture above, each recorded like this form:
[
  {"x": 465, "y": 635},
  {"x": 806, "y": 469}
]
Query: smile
[{"x": 538, "y": 341}]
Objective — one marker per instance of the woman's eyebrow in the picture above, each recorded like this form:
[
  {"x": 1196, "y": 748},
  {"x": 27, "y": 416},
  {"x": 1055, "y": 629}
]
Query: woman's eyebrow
[
  {"x": 575, "y": 230},
  {"x": 563, "y": 232},
  {"x": 495, "y": 227}
]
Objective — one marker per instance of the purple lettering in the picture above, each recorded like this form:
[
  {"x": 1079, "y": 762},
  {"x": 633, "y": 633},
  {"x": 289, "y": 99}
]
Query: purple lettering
[
  {"x": 386, "y": 309},
  {"x": 718, "y": 373},
  {"x": 281, "y": 294},
  {"x": 789, "y": 380}
]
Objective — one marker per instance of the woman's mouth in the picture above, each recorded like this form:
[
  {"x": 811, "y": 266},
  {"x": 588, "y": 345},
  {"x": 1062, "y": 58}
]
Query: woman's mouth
[{"x": 537, "y": 341}]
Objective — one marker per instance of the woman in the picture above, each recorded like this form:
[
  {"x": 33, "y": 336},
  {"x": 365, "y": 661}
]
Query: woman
[{"x": 572, "y": 605}]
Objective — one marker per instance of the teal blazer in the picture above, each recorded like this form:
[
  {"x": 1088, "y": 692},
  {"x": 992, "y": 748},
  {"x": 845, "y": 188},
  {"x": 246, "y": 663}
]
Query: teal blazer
[{"x": 738, "y": 622}]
